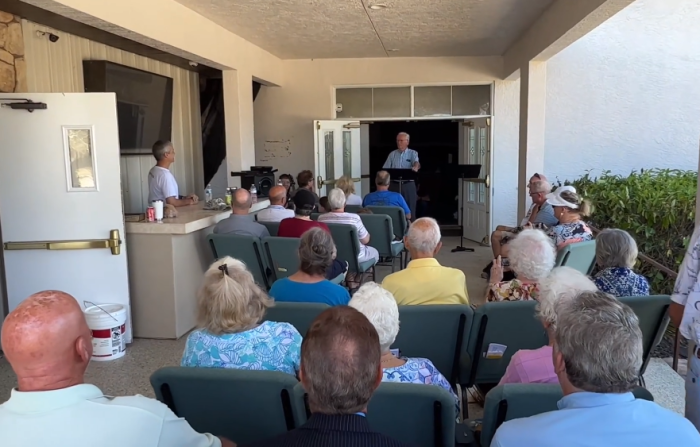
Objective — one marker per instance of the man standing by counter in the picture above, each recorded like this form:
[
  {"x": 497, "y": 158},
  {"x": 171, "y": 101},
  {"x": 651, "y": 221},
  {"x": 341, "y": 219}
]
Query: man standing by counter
[
  {"x": 404, "y": 158},
  {"x": 161, "y": 182}
]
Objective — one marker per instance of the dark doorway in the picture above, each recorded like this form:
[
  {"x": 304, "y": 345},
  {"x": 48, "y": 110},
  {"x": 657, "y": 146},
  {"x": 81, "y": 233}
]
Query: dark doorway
[{"x": 437, "y": 143}]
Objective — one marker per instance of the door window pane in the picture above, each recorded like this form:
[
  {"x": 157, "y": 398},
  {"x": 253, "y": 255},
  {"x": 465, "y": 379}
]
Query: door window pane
[
  {"x": 483, "y": 148},
  {"x": 432, "y": 101},
  {"x": 471, "y": 100},
  {"x": 347, "y": 153},
  {"x": 356, "y": 102},
  {"x": 330, "y": 158},
  {"x": 392, "y": 102},
  {"x": 80, "y": 160},
  {"x": 472, "y": 159}
]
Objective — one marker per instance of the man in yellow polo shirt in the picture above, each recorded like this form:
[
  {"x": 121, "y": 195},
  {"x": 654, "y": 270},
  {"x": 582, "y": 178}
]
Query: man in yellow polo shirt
[{"x": 425, "y": 281}]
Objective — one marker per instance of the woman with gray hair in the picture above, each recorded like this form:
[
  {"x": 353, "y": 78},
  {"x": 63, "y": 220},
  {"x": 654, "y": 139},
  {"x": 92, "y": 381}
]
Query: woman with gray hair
[
  {"x": 229, "y": 308},
  {"x": 616, "y": 253},
  {"x": 309, "y": 283},
  {"x": 532, "y": 257},
  {"x": 380, "y": 308},
  {"x": 535, "y": 365}
]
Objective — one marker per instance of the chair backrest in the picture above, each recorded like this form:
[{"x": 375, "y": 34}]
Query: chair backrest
[
  {"x": 652, "y": 312},
  {"x": 272, "y": 227},
  {"x": 282, "y": 255},
  {"x": 314, "y": 216},
  {"x": 414, "y": 414},
  {"x": 381, "y": 230},
  {"x": 347, "y": 243},
  {"x": 398, "y": 218},
  {"x": 520, "y": 400},
  {"x": 512, "y": 324},
  {"x": 352, "y": 208},
  {"x": 299, "y": 315},
  {"x": 247, "y": 406},
  {"x": 436, "y": 332},
  {"x": 247, "y": 249},
  {"x": 579, "y": 256}
]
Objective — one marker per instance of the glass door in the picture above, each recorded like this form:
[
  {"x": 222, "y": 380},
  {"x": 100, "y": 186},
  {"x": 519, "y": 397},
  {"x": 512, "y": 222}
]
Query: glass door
[{"x": 337, "y": 153}]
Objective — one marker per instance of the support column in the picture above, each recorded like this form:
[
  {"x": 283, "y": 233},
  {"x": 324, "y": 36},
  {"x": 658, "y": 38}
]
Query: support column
[
  {"x": 533, "y": 92},
  {"x": 239, "y": 118}
]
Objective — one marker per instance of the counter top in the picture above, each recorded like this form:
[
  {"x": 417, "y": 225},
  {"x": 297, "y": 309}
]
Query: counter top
[{"x": 189, "y": 219}]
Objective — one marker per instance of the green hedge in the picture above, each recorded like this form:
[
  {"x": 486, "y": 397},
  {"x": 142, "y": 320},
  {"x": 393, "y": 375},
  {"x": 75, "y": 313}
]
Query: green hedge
[{"x": 657, "y": 207}]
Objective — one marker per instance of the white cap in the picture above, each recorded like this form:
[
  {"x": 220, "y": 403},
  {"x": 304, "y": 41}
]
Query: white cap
[{"x": 555, "y": 198}]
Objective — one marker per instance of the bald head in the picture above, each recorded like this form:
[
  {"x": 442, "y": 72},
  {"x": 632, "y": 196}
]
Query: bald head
[
  {"x": 278, "y": 194},
  {"x": 423, "y": 238},
  {"x": 47, "y": 342},
  {"x": 241, "y": 201}
]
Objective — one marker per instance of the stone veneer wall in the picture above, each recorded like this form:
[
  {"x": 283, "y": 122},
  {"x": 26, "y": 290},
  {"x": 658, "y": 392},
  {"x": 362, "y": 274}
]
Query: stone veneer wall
[{"x": 13, "y": 68}]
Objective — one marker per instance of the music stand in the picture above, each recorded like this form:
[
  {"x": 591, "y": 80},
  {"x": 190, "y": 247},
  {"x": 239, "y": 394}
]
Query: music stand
[
  {"x": 402, "y": 176},
  {"x": 465, "y": 172}
]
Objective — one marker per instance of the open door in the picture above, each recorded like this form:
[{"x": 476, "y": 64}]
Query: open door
[
  {"x": 337, "y": 153},
  {"x": 475, "y": 148},
  {"x": 60, "y": 198}
]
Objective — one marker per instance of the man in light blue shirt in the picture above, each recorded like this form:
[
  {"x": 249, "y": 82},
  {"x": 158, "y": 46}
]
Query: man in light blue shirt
[
  {"x": 597, "y": 356},
  {"x": 404, "y": 158}
]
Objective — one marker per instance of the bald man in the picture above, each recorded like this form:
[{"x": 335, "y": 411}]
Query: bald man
[
  {"x": 240, "y": 222},
  {"x": 277, "y": 211},
  {"x": 49, "y": 345}
]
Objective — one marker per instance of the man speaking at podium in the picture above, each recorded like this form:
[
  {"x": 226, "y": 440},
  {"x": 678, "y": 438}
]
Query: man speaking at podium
[{"x": 404, "y": 158}]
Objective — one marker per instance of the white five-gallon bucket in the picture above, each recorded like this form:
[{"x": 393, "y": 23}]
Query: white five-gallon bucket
[{"x": 108, "y": 325}]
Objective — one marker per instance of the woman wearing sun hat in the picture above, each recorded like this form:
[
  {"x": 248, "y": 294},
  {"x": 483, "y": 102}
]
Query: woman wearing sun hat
[{"x": 569, "y": 209}]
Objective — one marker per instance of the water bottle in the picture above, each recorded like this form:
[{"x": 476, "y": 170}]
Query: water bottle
[
  {"x": 279, "y": 182},
  {"x": 207, "y": 193},
  {"x": 254, "y": 193}
]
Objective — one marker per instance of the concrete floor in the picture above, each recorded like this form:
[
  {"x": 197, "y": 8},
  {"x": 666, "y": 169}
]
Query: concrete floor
[{"x": 130, "y": 374}]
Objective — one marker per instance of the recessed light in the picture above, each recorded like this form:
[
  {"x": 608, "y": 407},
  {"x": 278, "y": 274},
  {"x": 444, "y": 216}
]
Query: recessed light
[{"x": 377, "y": 6}]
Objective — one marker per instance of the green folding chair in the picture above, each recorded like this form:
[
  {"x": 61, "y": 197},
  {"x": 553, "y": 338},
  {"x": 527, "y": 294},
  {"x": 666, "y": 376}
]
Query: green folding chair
[
  {"x": 247, "y": 249},
  {"x": 520, "y": 400},
  {"x": 348, "y": 245},
  {"x": 299, "y": 315},
  {"x": 509, "y": 323},
  {"x": 247, "y": 406},
  {"x": 438, "y": 333},
  {"x": 272, "y": 227},
  {"x": 652, "y": 312},
  {"x": 380, "y": 229},
  {"x": 398, "y": 218},
  {"x": 314, "y": 216},
  {"x": 579, "y": 256},
  {"x": 282, "y": 255},
  {"x": 352, "y": 208}
]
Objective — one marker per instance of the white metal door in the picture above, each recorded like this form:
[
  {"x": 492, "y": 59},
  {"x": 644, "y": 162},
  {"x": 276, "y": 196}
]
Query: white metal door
[
  {"x": 60, "y": 181},
  {"x": 475, "y": 148},
  {"x": 337, "y": 153}
]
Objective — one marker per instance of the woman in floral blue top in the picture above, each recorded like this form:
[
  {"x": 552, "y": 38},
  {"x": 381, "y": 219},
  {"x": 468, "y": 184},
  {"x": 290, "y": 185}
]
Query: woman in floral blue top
[
  {"x": 230, "y": 305},
  {"x": 616, "y": 253},
  {"x": 380, "y": 308}
]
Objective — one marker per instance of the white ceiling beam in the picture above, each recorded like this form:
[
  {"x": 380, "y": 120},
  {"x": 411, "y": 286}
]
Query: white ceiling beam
[{"x": 562, "y": 24}]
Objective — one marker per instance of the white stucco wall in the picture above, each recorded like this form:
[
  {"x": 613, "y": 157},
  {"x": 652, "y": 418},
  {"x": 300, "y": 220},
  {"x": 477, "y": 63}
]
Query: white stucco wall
[{"x": 627, "y": 95}]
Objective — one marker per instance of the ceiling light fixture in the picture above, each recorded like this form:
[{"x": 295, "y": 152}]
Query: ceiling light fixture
[{"x": 377, "y": 6}]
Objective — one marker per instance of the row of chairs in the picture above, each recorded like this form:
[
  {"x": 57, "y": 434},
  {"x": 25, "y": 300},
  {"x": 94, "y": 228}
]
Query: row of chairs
[
  {"x": 248, "y": 406},
  {"x": 456, "y": 338}
]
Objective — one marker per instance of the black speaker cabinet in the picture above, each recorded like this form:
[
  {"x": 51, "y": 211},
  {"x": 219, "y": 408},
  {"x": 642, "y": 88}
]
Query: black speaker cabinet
[{"x": 263, "y": 182}]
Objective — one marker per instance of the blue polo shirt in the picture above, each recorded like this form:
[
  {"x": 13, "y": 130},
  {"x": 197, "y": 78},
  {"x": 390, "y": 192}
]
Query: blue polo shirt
[
  {"x": 321, "y": 292},
  {"x": 601, "y": 420},
  {"x": 386, "y": 198}
]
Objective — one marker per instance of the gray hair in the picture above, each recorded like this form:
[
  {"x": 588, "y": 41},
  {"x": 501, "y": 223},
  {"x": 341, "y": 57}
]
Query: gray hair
[
  {"x": 383, "y": 178},
  {"x": 242, "y": 199},
  {"x": 316, "y": 249},
  {"x": 408, "y": 137},
  {"x": 532, "y": 254},
  {"x": 615, "y": 248},
  {"x": 601, "y": 343},
  {"x": 380, "y": 308},
  {"x": 541, "y": 186},
  {"x": 336, "y": 199},
  {"x": 562, "y": 284},
  {"x": 424, "y": 235},
  {"x": 161, "y": 148}
]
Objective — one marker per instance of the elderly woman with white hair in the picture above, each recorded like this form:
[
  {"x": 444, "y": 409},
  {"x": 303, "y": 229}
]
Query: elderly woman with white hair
[
  {"x": 380, "y": 308},
  {"x": 616, "y": 253},
  {"x": 229, "y": 308},
  {"x": 532, "y": 257},
  {"x": 336, "y": 200},
  {"x": 535, "y": 365}
]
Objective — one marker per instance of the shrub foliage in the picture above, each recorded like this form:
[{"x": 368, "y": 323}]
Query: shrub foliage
[{"x": 657, "y": 207}]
